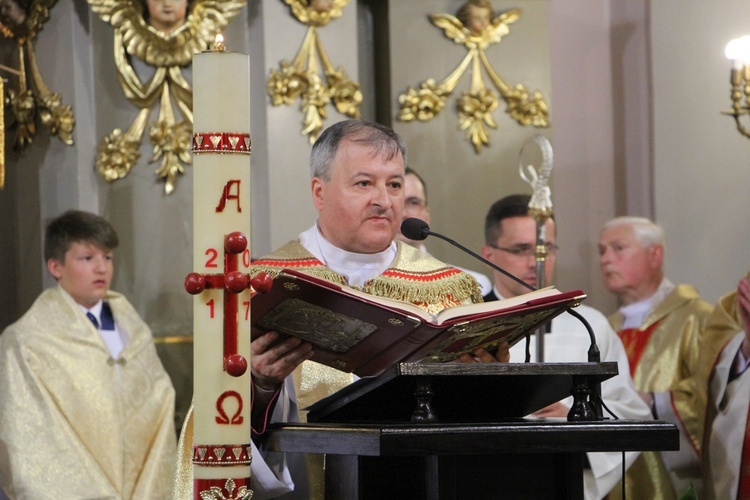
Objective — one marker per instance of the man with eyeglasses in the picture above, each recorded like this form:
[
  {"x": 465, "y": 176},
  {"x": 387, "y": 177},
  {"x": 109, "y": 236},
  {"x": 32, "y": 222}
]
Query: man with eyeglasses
[{"x": 510, "y": 238}]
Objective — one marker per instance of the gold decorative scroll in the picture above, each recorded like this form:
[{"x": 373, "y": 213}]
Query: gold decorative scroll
[
  {"x": 476, "y": 31},
  {"x": 168, "y": 52},
  {"x": 301, "y": 77},
  {"x": 31, "y": 99}
]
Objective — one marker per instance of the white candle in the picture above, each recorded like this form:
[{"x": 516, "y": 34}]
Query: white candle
[{"x": 221, "y": 206}]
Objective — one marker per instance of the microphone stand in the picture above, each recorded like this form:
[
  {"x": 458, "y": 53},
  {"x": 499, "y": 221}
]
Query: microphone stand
[{"x": 594, "y": 355}]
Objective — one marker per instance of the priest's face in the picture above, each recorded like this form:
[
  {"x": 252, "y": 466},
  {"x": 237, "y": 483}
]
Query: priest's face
[
  {"x": 415, "y": 205},
  {"x": 85, "y": 273},
  {"x": 514, "y": 252},
  {"x": 629, "y": 269},
  {"x": 361, "y": 206}
]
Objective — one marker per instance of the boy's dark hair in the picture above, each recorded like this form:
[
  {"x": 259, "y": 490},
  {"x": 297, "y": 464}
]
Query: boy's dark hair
[{"x": 75, "y": 226}]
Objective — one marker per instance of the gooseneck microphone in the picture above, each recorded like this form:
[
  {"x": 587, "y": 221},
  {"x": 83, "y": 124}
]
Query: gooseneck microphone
[{"x": 418, "y": 230}]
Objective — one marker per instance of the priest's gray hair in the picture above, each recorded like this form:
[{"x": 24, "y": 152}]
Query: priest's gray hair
[
  {"x": 646, "y": 231},
  {"x": 381, "y": 139}
]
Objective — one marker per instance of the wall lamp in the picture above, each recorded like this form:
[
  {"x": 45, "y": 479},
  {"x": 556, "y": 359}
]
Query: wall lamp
[{"x": 738, "y": 51}]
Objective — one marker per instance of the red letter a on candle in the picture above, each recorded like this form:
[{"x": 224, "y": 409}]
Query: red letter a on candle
[{"x": 231, "y": 192}]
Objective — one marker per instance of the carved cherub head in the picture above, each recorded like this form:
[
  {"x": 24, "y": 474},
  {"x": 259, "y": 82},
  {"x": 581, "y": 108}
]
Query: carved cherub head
[
  {"x": 165, "y": 15},
  {"x": 475, "y": 15},
  {"x": 321, "y": 6},
  {"x": 14, "y": 11}
]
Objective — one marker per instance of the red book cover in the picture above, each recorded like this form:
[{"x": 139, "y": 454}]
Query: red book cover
[{"x": 356, "y": 332}]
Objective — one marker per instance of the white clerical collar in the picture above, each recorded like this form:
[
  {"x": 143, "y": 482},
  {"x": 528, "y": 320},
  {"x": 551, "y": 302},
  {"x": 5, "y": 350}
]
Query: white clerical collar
[
  {"x": 358, "y": 268},
  {"x": 635, "y": 314}
]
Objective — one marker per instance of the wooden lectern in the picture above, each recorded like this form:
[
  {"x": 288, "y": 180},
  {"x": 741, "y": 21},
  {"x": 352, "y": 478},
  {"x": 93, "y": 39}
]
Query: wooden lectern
[{"x": 456, "y": 431}]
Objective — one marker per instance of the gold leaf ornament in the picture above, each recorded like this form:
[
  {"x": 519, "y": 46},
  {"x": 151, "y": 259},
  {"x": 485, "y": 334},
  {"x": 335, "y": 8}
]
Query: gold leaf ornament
[
  {"x": 286, "y": 84},
  {"x": 345, "y": 93},
  {"x": 167, "y": 43},
  {"x": 23, "y": 108},
  {"x": 171, "y": 145},
  {"x": 474, "y": 115},
  {"x": 423, "y": 103},
  {"x": 58, "y": 118},
  {"x": 31, "y": 98},
  {"x": 116, "y": 156},
  {"x": 476, "y": 29},
  {"x": 302, "y": 78}
]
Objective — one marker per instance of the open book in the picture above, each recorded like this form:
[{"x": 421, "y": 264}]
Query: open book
[{"x": 361, "y": 333}]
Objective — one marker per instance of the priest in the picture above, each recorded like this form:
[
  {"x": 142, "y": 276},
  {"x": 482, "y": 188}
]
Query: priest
[
  {"x": 660, "y": 325},
  {"x": 357, "y": 170}
]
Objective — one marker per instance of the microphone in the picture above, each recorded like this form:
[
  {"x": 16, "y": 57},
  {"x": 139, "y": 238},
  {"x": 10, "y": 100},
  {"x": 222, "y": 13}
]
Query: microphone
[
  {"x": 418, "y": 230},
  {"x": 415, "y": 229}
]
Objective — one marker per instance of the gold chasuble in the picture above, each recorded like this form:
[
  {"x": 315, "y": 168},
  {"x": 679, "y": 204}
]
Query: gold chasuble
[
  {"x": 690, "y": 396},
  {"x": 75, "y": 423},
  {"x": 412, "y": 277},
  {"x": 669, "y": 356}
]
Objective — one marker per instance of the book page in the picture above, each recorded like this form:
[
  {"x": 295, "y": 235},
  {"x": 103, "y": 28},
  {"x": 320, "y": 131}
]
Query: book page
[
  {"x": 498, "y": 305},
  {"x": 444, "y": 315}
]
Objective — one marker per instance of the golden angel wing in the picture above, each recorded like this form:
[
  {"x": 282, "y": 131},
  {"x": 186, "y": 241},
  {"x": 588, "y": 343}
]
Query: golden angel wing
[
  {"x": 299, "y": 10},
  {"x": 451, "y": 26},
  {"x": 204, "y": 20},
  {"x": 498, "y": 28}
]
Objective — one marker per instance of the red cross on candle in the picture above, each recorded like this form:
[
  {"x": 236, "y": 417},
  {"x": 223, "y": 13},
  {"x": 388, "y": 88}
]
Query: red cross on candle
[{"x": 233, "y": 282}]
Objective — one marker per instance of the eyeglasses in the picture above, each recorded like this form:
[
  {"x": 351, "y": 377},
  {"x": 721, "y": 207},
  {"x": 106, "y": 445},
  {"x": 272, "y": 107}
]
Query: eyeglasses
[{"x": 527, "y": 250}]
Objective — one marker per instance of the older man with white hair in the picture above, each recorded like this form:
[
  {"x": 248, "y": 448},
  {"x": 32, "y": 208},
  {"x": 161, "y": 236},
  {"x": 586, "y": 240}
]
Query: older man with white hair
[{"x": 660, "y": 324}]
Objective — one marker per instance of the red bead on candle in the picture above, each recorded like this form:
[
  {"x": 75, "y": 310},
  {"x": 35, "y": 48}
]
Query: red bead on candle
[
  {"x": 195, "y": 283},
  {"x": 235, "y": 242},
  {"x": 235, "y": 365}
]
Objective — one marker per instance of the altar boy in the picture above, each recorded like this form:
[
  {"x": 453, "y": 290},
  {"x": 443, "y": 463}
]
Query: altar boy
[{"x": 87, "y": 407}]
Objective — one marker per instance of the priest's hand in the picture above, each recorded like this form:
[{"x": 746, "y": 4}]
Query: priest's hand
[
  {"x": 483, "y": 356},
  {"x": 272, "y": 362},
  {"x": 554, "y": 410}
]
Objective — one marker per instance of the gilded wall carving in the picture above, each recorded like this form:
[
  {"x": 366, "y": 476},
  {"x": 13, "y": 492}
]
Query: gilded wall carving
[
  {"x": 30, "y": 99},
  {"x": 475, "y": 28},
  {"x": 164, "y": 34},
  {"x": 301, "y": 78}
]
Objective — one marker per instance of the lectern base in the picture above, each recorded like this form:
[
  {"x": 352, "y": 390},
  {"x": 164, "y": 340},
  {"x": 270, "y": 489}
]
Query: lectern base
[
  {"x": 529, "y": 458},
  {"x": 455, "y": 477}
]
